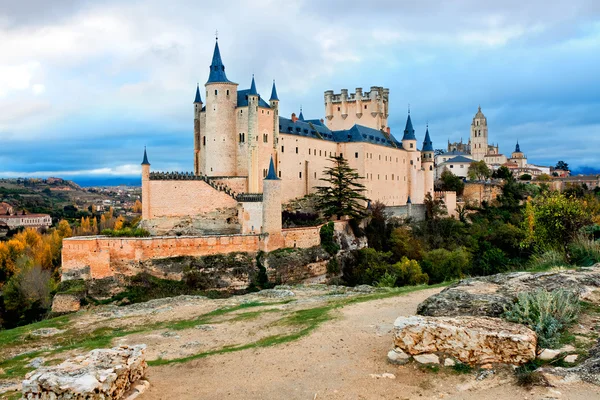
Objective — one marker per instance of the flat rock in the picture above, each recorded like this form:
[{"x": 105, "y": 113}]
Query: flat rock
[
  {"x": 491, "y": 295},
  {"x": 470, "y": 340},
  {"x": 427, "y": 358},
  {"x": 398, "y": 357},
  {"x": 548, "y": 354},
  {"x": 448, "y": 362},
  {"x": 571, "y": 358},
  {"x": 45, "y": 332}
]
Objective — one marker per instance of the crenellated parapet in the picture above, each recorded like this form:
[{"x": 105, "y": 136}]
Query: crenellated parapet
[{"x": 344, "y": 109}]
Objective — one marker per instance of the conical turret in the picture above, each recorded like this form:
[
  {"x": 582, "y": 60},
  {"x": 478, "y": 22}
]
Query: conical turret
[{"x": 217, "y": 69}]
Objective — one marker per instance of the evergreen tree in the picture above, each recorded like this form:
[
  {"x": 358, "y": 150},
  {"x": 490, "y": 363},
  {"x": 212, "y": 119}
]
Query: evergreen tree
[{"x": 344, "y": 194}]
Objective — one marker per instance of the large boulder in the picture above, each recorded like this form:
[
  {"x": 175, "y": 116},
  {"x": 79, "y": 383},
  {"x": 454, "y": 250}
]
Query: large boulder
[
  {"x": 490, "y": 295},
  {"x": 471, "y": 340},
  {"x": 100, "y": 374}
]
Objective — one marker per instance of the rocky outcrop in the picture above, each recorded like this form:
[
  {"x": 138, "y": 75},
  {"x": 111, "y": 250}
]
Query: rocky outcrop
[
  {"x": 100, "y": 374},
  {"x": 470, "y": 340},
  {"x": 587, "y": 371},
  {"x": 489, "y": 296},
  {"x": 65, "y": 303}
]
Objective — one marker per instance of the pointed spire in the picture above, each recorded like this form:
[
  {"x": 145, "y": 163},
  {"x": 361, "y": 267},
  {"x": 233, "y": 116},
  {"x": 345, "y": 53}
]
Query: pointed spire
[
  {"x": 427, "y": 143},
  {"x": 409, "y": 132},
  {"x": 145, "y": 161},
  {"x": 274, "y": 93},
  {"x": 253, "y": 87},
  {"x": 198, "y": 99},
  {"x": 272, "y": 176},
  {"x": 217, "y": 69},
  {"x": 517, "y": 148},
  {"x": 408, "y": 201},
  {"x": 301, "y": 117}
]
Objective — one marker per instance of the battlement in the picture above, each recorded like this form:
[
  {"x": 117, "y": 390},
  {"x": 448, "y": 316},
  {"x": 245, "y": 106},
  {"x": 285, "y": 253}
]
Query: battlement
[
  {"x": 213, "y": 181},
  {"x": 376, "y": 93}
]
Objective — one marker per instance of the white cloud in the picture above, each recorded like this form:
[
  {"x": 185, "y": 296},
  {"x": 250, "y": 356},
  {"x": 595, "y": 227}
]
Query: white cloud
[{"x": 38, "y": 89}]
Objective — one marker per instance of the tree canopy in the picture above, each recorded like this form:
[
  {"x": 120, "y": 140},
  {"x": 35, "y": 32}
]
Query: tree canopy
[
  {"x": 563, "y": 166},
  {"x": 479, "y": 171}
]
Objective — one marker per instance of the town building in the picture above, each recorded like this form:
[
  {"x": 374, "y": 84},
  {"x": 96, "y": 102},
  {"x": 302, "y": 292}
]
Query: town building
[
  {"x": 27, "y": 221},
  {"x": 240, "y": 140}
]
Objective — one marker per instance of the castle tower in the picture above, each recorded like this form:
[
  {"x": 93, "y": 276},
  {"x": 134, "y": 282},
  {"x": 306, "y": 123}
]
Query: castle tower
[
  {"x": 145, "y": 187},
  {"x": 479, "y": 136},
  {"x": 427, "y": 158},
  {"x": 252, "y": 143},
  {"x": 219, "y": 140},
  {"x": 409, "y": 143},
  {"x": 271, "y": 222},
  {"x": 274, "y": 103},
  {"x": 197, "y": 136}
]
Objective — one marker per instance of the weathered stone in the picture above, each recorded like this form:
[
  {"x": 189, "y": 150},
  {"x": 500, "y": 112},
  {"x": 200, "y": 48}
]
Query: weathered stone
[
  {"x": 588, "y": 370},
  {"x": 276, "y": 293},
  {"x": 100, "y": 374},
  {"x": 491, "y": 295},
  {"x": 548, "y": 354},
  {"x": 398, "y": 357},
  {"x": 448, "y": 362},
  {"x": 36, "y": 362},
  {"x": 427, "y": 358},
  {"x": 470, "y": 340},
  {"x": 571, "y": 358},
  {"x": 65, "y": 303},
  {"x": 45, "y": 332}
]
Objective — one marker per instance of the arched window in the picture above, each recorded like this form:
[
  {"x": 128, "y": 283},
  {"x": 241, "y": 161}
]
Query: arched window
[
  {"x": 203, "y": 140},
  {"x": 215, "y": 92}
]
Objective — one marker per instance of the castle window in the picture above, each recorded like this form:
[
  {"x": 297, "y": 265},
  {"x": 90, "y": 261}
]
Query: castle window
[
  {"x": 227, "y": 92},
  {"x": 264, "y": 173},
  {"x": 380, "y": 157},
  {"x": 296, "y": 150},
  {"x": 451, "y": 166},
  {"x": 203, "y": 140},
  {"x": 392, "y": 176},
  {"x": 365, "y": 106},
  {"x": 411, "y": 162},
  {"x": 339, "y": 109},
  {"x": 241, "y": 111},
  {"x": 262, "y": 111},
  {"x": 298, "y": 130},
  {"x": 319, "y": 153},
  {"x": 280, "y": 173},
  {"x": 300, "y": 175},
  {"x": 309, "y": 152},
  {"x": 266, "y": 138},
  {"x": 315, "y": 175},
  {"x": 412, "y": 145},
  {"x": 430, "y": 168},
  {"x": 342, "y": 155},
  {"x": 282, "y": 149},
  {"x": 355, "y": 155},
  {"x": 377, "y": 176},
  {"x": 215, "y": 92},
  {"x": 290, "y": 129}
]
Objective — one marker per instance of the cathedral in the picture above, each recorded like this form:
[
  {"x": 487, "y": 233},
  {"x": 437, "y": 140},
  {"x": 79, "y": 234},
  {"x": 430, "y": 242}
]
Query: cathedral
[{"x": 241, "y": 141}]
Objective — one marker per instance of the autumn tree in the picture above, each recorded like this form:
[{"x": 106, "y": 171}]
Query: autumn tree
[
  {"x": 137, "y": 207},
  {"x": 343, "y": 196}
]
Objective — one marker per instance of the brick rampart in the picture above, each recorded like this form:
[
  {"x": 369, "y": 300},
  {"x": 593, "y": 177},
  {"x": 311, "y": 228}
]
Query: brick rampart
[{"x": 97, "y": 257}]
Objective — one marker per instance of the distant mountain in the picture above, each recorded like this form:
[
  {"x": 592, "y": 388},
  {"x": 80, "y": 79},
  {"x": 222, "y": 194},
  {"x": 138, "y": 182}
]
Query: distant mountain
[
  {"x": 586, "y": 170},
  {"x": 87, "y": 181}
]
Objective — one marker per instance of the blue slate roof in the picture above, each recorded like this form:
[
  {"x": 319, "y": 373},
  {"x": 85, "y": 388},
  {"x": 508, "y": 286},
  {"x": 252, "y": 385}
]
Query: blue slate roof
[
  {"x": 409, "y": 131},
  {"x": 315, "y": 121},
  {"x": 217, "y": 69},
  {"x": 427, "y": 143},
  {"x": 458, "y": 159},
  {"x": 253, "y": 87},
  {"x": 198, "y": 99},
  {"x": 242, "y": 99},
  {"x": 301, "y": 117},
  {"x": 316, "y": 129},
  {"x": 145, "y": 161},
  {"x": 274, "y": 92},
  {"x": 518, "y": 148},
  {"x": 271, "y": 176}
]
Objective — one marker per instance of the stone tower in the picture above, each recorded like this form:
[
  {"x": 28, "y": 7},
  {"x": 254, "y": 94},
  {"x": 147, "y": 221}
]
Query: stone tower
[
  {"x": 145, "y": 187},
  {"x": 369, "y": 109},
  {"x": 274, "y": 103},
  {"x": 409, "y": 143},
  {"x": 252, "y": 142},
  {"x": 197, "y": 135},
  {"x": 479, "y": 136},
  {"x": 518, "y": 157},
  {"x": 271, "y": 218},
  {"x": 427, "y": 159},
  {"x": 218, "y": 147}
]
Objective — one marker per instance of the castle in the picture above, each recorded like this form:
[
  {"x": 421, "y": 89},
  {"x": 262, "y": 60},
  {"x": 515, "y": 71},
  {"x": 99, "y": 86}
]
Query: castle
[
  {"x": 248, "y": 159},
  {"x": 459, "y": 155}
]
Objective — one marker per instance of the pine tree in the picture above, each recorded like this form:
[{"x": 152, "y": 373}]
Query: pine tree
[{"x": 344, "y": 194}]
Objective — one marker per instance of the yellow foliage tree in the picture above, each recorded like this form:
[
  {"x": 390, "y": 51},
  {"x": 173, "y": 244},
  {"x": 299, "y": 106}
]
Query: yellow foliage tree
[
  {"x": 64, "y": 229},
  {"x": 137, "y": 207},
  {"x": 119, "y": 223}
]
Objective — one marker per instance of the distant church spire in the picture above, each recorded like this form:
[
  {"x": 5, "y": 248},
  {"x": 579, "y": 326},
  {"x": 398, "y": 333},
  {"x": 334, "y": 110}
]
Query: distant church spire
[
  {"x": 217, "y": 69},
  {"x": 198, "y": 99},
  {"x": 274, "y": 93},
  {"x": 517, "y": 148},
  {"x": 145, "y": 161}
]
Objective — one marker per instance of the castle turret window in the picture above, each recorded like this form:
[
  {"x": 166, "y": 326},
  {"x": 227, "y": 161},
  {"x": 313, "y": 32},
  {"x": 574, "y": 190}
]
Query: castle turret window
[
  {"x": 216, "y": 92},
  {"x": 355, "y": 155}
]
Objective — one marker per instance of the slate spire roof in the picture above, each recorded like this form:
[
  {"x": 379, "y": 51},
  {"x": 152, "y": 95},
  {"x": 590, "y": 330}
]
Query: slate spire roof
[
  {"x": 253, "y": 88},
  {"x": 427, "y": 143},
  {"x": 217, "y": 69},
  {"x": 145, "y": 161},
  {"x": 301, "y": 117},
  {"x": 274, "y": 93},
  {"x": 409, "y": 131},
  {"x": 271, "y": 176},
  {"x": 198, "y": 99},
  {"x": 517, "y": 148}
]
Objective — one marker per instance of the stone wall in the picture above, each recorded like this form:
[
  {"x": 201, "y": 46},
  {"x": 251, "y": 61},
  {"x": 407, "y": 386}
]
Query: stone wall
[
  {"x": 98, "y": 257},
  {"x": 417, "y": 211},
  {"x": 475, "y": 193}
]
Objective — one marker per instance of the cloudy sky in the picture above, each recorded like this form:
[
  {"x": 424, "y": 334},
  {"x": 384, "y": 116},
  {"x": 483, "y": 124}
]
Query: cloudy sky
[{"x": 84, "y": 85}]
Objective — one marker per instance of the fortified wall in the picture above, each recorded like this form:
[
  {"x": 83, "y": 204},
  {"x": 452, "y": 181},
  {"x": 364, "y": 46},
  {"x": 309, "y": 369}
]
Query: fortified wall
[
  {"x": 98, "y": 257},
  {"x": 476, "y": 193}
]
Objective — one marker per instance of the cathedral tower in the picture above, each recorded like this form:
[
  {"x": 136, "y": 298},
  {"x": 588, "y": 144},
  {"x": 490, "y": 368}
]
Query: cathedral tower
[
  {"x": 479, "y": 136},
  {"x": 197, "y": 135},
  {"x": 218, "y": 145},
  {"x": 427, "y": 158}
]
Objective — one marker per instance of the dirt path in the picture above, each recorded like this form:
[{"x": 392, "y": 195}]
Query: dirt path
[{"x": 336, "y": 362}]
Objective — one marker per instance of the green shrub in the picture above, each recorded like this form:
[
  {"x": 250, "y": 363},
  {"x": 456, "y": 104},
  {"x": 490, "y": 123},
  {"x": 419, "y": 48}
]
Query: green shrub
[
  {"x": 126, "y": 232},
  {"x": 327, "y": 241},
  {"x": 584, "y": 252},
  {"x": 443, "y": 265},
  {"x": 547, "y": 313},
  {"x": 387, "y": 280},
  {"x": 547, "y": 260},
  {"x": 333, "y": 266},
  {"x": 409, "y": 273}
]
